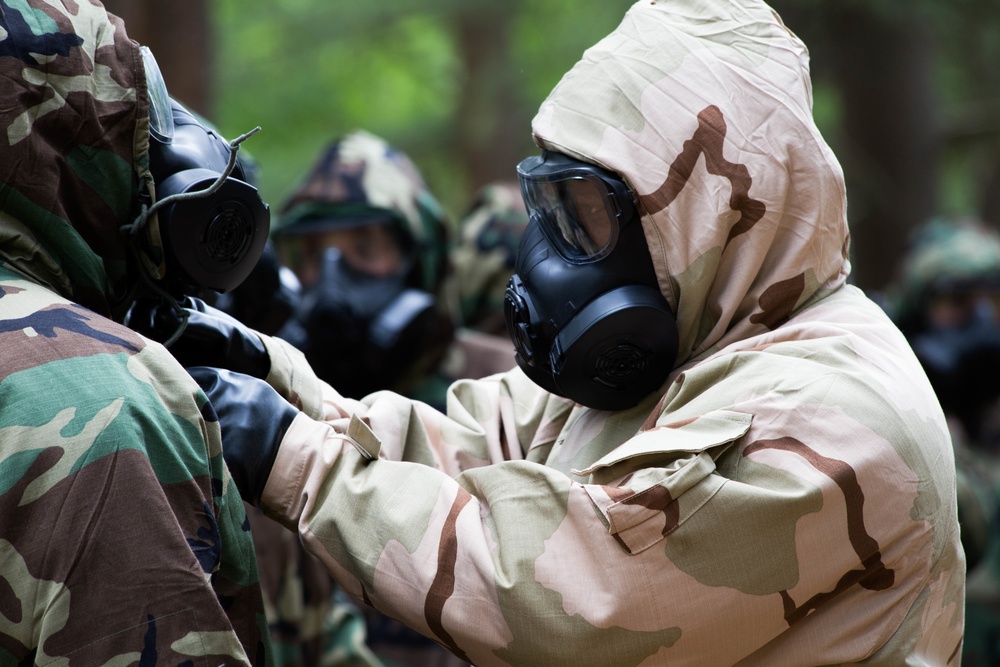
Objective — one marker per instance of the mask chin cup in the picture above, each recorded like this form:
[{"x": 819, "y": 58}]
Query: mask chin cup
[
  {"x": 402, "y": 320},
  {"x": 616, "y": 351},
  {"x": 213, "y": 241}
]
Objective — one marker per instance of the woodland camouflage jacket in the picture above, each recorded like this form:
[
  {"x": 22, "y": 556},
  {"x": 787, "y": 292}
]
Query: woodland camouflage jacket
[
  {"x": 121, "y": 539},
  {"x": 787, "y": 498}
]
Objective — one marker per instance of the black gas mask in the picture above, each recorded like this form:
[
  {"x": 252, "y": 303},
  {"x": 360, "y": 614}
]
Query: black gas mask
[
  {"x": 213, "y": 223},
  {"x": 583, "y": 308},
  {"x": 362, "y": 333},
  {"x": 963, "y": 365}
]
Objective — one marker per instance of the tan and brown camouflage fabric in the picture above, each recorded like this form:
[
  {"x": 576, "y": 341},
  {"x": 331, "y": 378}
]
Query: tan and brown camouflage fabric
[
  {"x": 122, "y": 540},
  {"x": 311, "y": 622},
  {"x": 786, "y": 499}
]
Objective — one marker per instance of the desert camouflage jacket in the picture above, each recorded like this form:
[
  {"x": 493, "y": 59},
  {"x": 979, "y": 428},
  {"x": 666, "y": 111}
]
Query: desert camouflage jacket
[
  {"x": 121, "y": 539},
  {"x": 787, "y": 498}
]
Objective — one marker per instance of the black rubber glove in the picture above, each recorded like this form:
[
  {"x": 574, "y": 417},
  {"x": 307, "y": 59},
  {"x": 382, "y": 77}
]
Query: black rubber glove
[
  {"x": 253, "y": 419},
  {"x": 211, "y": 337}
]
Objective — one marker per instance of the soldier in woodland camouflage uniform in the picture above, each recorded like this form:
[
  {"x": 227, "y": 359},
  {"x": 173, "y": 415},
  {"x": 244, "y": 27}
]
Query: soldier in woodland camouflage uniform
[
  {"x": 122, "y": 540},
  {"x": 786, "y": 495},
  {"x": 946, "y": 302},
  {"x": 482, "y": 263},
  {"x": 369, "y": 242}
]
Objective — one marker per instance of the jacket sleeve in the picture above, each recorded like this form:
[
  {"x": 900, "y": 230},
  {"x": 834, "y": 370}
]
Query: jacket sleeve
[
  {"x": 468, "y": 527},
  {"x": 439, "y": 519}
]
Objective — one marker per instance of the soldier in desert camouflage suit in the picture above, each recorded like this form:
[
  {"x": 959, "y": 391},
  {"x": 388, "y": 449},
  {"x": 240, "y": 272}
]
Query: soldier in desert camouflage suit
[
  {"x": 122, "y": 540},
  {"x": 787, "y": 497}
]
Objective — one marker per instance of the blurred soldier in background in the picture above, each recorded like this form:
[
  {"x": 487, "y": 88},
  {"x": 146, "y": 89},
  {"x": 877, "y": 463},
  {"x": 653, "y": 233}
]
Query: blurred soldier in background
[
  {"x": 482, "y": 264},
  {"x": 946, "y": 301},
  {"x": 369, "y": 244}
]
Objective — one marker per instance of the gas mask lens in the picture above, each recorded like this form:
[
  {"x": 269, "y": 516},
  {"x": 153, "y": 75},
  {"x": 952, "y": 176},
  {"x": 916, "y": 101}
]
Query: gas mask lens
[
  {"x": 580, "y": 207},
  {"x": 161, "y": 117}
]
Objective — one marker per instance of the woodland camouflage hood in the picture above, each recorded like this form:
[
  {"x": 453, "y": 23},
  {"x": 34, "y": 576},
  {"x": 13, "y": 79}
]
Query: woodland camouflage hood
[
  {"x": 706, "y": 109},
  {"x": 75, "y": 142},
  {"x": 359, "y": 176},
  {"x": 483, "y": 255}
]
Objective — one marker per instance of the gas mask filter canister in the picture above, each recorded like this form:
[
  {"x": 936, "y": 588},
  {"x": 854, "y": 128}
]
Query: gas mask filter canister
[{"x": 212, "y": 236}]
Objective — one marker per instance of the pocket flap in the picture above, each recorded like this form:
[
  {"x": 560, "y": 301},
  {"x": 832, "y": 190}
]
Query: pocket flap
[
  {"x": 700, "y": 434},
  {"x": 667, "y": 474}
]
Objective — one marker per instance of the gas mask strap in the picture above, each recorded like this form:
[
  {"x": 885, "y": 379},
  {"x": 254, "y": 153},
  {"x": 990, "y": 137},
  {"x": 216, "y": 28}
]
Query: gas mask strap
[{"x": 145, "y": 212}]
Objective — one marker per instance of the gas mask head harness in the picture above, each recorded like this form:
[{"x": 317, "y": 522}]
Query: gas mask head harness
[
  {"x": 213, "y": 224},
  {"x": 583, "y": 307},
  {"x": 959, "y": 348}
]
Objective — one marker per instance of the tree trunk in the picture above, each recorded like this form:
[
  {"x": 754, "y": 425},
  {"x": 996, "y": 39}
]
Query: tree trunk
[
  {"x": 492, "y": 129},
  {"x": 892, "y": 134},
  {"x": 179, "y": 34}
]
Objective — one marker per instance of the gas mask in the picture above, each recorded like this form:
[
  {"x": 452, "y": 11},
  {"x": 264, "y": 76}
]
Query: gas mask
[
  {"x": 362, "y": 333},
  {"x": 583, "y": 307},
  {"x": 963, "y": 364},
  {"x": 213, "y": 224}
]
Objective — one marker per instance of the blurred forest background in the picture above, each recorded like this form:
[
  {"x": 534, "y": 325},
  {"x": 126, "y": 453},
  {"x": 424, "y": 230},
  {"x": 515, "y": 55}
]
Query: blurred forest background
[{"x": 906, "y": 93}]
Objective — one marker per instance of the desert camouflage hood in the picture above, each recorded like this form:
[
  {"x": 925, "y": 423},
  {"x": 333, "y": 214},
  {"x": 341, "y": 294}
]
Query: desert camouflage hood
[
  {"x": 705, "y": 107},
  {"x": 361, "y": 175},
  {"x": 75, "y": 145}
]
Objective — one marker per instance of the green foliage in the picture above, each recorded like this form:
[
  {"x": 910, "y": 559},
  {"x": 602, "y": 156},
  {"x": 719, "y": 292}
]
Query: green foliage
[{"x": 308, "y": 71}]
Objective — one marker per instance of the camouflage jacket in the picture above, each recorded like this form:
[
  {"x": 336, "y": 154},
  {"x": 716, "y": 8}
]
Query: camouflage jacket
[
  {"x": 787, "y": 498},
  {"x": 122, "y": 540}
]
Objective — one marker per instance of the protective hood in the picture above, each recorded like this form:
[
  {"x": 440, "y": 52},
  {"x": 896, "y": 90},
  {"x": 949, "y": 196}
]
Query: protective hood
[
  {"x": 946, "y": 255},
  {"x": 483, "y": 256},
  {"x": 359, "y": 178},
  {"x": 74, "y": 140},
  {"x": 705, "y": 108}
]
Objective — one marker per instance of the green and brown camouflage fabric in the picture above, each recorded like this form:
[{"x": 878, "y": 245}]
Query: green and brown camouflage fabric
[
  {"x": 788, "y": 498},
  {"x": 945, "y": 256},
  {"x": 483, "y": 256},
  {"x": 122, "y": 540}
]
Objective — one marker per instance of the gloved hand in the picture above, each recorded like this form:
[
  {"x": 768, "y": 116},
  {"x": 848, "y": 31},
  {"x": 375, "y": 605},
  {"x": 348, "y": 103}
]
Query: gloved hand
[
  {"x": 211, "y": 337},
  {"x": 253, "y": 419}
]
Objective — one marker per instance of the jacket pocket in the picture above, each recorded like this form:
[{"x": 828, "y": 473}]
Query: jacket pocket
[{"x": 649, "y": 485}]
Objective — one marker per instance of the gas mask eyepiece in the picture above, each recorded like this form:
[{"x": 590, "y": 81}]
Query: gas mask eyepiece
[
  {"x": 212, "y": 233},
  {"x": 583, "y": 308},
  {"x": 580, "y": 207}
]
